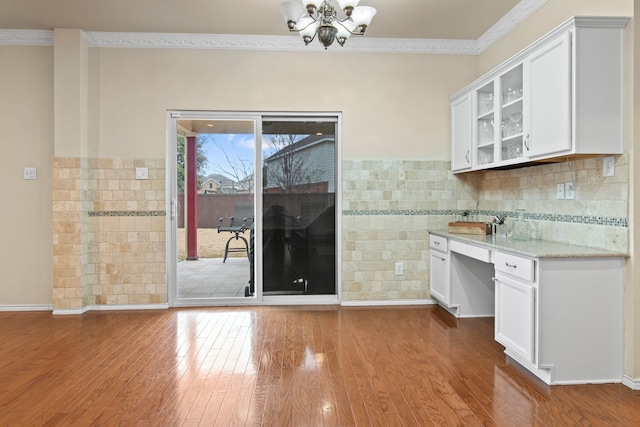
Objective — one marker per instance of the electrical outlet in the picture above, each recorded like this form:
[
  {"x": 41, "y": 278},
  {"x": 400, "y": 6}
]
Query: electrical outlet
[
  {"x": 608, "y": 166},
  {"x": 560, "y": 192},
  {"x": 569, "y": 191},
  {"x": 399, "y": 269}
]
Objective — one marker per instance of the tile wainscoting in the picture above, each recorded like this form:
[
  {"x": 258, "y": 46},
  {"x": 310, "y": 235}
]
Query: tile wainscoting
[
  {"x": 109, "y": 233},
  {"x": 388, "y": 206},
  {"x": 109, "y": 228}
]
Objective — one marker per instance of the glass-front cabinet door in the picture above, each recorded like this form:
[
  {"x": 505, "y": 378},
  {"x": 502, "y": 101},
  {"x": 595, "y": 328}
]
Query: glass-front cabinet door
[
  {"x": 511, "y": 135},
  {"x": 498, "y": 137},
  {"x": 486, "y": 134}
]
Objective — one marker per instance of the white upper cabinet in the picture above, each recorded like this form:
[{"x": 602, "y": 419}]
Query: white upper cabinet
[
  {"x": 461, "y": 120},
  {"x": 560, "y": 96},
  {"x": 548, "y": 102}
]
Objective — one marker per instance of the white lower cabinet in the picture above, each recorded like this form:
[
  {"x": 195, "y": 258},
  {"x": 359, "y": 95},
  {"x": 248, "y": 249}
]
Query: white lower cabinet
[
  {"x": 561, "y": 317},
  {"x": 515, "y": 316},
  {"x": 439, "y": 281},
  {"x": 439, "y": 277}
]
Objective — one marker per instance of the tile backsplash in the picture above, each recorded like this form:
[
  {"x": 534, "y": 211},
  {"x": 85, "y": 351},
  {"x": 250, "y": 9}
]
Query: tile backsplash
[{"x": 388, "y": 206}]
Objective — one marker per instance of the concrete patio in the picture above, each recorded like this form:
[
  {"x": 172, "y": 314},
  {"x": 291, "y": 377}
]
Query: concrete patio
[{"x": 211, "y": 278}]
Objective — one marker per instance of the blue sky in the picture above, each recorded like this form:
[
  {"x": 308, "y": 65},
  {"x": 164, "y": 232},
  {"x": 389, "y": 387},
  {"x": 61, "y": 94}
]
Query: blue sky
[{"x": 238, "y": 148}]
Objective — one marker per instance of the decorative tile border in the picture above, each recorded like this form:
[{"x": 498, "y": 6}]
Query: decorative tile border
[
  {"x": 576, "y": 219},
  {"x": 127, "y": 213}
]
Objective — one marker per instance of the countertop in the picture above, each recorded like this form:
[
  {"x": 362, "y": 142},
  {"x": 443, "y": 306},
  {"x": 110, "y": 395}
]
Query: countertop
[{"x": 532, "y": 248}]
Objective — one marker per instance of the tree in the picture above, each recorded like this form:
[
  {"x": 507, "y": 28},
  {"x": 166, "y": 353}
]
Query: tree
[
  {"x": 288, "y": 167},
  {"x": 201, "y": 161},
  {"x": 236, "y": 167}
]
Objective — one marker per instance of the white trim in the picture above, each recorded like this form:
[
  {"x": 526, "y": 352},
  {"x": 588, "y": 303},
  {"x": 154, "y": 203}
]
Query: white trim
[
  {"x": 26, "y": 37},
  {"x": 25, "y": 307},
  {"x": 512, "y": 19},
  {"x": 632, "y": 383},
  {"x": 387, "y": 302},
  {"x": 120, "y": 307},
  {"x": 276, "y": 43},
  {"x": 285, "y": 42},
  {"x": 115, "y": 307},
  {"x": 69, "y": 312}
]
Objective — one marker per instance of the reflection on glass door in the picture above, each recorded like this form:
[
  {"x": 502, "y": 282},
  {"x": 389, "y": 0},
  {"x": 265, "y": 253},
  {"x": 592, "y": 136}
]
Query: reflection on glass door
[
  {"x": 215, "y": 188},
  {"x": 298, "y": 207}
]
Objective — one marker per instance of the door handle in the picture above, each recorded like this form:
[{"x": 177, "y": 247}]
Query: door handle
[{"x": 174, "y": 208}]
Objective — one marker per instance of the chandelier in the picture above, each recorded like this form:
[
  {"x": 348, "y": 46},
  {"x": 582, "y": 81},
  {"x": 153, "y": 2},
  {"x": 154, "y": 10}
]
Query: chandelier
[{"x": 320, "y": 17}]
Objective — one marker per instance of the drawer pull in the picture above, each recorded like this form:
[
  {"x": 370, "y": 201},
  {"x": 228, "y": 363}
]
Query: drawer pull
[
  {"x": 436, "y": 243},
  {"x": 510, "y": 265}
]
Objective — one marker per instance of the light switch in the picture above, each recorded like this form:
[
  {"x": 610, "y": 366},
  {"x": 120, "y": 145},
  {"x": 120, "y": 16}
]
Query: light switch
[
  {"x": 608, "y": 166},
  {"x": 142, "y": 173},
  {"x": 30, "y": 173}
]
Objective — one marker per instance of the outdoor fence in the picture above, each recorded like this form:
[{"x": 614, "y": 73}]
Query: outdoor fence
[{"x": 212, "y": 207}]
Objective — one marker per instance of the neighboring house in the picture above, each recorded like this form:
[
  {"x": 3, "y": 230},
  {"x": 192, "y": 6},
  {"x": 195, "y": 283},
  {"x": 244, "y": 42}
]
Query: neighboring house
[
  {"x": 220, "y": 184},
  {"x": 291, "y": 166},
  {"x": 210, "y": 186}
]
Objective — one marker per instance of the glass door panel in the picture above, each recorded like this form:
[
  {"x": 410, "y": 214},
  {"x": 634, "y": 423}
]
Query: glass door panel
[
  {"x": 511, "y": 113},
  {"x": 485, "y": 121},
  {"x": 298, "y": 207},
  {"x": 216, "y": 191}
]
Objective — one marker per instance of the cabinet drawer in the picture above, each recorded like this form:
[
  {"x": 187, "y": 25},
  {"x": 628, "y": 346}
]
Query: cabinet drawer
[
  {"x": 515, "y": 266},
  {"x": 475, "y": 252},
  {"x": 437, "y": 242}
]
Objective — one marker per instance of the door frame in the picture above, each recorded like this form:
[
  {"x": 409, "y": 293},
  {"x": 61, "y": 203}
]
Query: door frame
[{"x": 172, "y": 207}]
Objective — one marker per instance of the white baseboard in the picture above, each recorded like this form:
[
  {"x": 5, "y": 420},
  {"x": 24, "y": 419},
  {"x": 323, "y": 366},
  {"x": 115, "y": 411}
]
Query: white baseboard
[
  {"x": 397, "y": 302},
  {"x": 632, "y": 383},
  {"x": 24, "y": 307},
  {"x": 114, "y": 307}
]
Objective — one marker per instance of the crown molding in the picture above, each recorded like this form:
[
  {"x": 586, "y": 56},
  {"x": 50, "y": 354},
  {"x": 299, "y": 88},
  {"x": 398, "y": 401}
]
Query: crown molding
[
  {"x": 26, "y": 37},
  {"x": 508, "y": 22},
  {"x": 284, "y": 43},
  {"x": 279, "y": 43}
]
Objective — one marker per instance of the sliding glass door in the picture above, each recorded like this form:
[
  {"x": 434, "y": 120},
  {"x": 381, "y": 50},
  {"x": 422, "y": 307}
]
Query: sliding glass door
[{"x": 241, "y": 234}]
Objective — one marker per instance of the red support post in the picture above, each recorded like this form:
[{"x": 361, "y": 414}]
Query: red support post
[{"x": 191, "y": 223}]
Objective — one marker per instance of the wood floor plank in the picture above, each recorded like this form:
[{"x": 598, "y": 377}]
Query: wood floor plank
[{"x": 284, "y": 366}]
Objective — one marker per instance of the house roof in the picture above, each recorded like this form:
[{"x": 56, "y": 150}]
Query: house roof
[{"x": 303, "y": 143}]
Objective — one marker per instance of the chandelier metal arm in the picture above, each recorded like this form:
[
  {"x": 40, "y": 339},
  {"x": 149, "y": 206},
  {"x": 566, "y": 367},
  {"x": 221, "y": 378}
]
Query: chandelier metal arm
[{"x": 360, "y": 28}]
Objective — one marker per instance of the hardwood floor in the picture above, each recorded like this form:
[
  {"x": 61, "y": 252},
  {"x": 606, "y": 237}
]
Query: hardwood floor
[{"x": 280, "y": 366}]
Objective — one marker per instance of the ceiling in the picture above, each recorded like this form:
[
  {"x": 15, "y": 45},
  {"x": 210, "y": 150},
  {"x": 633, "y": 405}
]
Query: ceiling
[{"x": 414, "y": 19}]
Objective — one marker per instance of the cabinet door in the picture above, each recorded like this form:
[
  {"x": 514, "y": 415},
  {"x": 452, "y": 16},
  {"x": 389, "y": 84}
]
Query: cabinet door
[
  {"x": 439, "y": 284},
  {"x": 485, "y": 135},
  {"x": 515, "y": 316},
  {"x": 547, "y": 108},
  {"x": 461, "y": 123}
]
